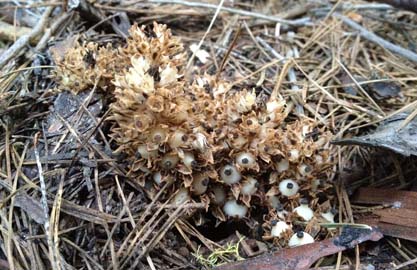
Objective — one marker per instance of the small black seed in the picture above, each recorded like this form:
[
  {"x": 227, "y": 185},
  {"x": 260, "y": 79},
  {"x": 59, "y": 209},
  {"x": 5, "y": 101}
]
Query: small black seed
[
  {"x": 274, "y": 222},
  {"x": 228, "y": 172},
  {"x": 205, "y": 182},
  {"x": 245, "y": 160},
  {"x": 300, "y": 234},
  {"x": 290, "y": 185}
]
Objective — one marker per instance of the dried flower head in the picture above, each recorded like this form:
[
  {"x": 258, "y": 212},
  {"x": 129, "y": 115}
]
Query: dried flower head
[{"x": 213, "y": 144}]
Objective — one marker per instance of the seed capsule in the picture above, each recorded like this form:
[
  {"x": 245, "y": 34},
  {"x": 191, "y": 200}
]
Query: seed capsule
[
  {"x": 283, "y": 165},
  {"x": 329, "y": 215},
  {"x": 294, "y": 155},
  {"x": 233, "y": 209},
  {"x": 178, "y": 139},
  {"x": 169, "y": 161},
  {"x": 200, "y": 184},
  {"x": 250, "y": 186},
  {"x": 279, "y": 228},
  {"x": 288, "y": 187},
  {"x": 189, "y": 160},
  {"x": 230, "y": 175},
  {"x": 304, "y": 169},
  {"x": 304, "y": 211},
  {"x": 245, "y": 160},
  {"x": 300, "y": 238},
  {"x": 143, "y": 152},
  {"x": 181, "y": 197}
]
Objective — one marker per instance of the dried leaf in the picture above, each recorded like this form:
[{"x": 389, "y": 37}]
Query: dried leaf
[
  {"x": 302, "y": 257},
  {"x": 383, "y": 89},
  {"x": 389, "y": 135},
  {"x": 32, "y": 207}
]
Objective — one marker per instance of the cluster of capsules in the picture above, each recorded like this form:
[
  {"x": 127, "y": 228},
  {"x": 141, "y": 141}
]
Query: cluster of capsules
[{"x": 210, "y": 143}]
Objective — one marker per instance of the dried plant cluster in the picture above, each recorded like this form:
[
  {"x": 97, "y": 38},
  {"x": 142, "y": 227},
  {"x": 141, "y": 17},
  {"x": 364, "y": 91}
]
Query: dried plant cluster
[{"x": 228, "y": 149}]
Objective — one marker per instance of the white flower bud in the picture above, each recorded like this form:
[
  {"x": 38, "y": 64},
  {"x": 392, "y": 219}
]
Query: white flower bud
[
  {"x": 250, "y": 186},
  {"x": 279, "y": 228},
  {"x": 158, "y": 135},
  {"x": 169, "y": 161},
  {"x": 233, "y": 209},
  {"x": 177, "y": 139},
  {"x": 189, "y": 160},
  {"x": 304, "y": 211},
  {"x": 304, "y": 169},
  {"x": 181, "y": 197},
  {"x": 293, "y": 155},
  {"x": 300, "y": 238},
  {"x": 157, "y": 178},
  {"x": 329, "y": 216},
  {"x": 288, "y": 187},
  {"x": 245, "y": 160},
  {"x": 283, "y": 165},
  {"x": 230, "y": 175},
  {"x": 143, "y": 152},
  {"x": 200, "y": 184}
]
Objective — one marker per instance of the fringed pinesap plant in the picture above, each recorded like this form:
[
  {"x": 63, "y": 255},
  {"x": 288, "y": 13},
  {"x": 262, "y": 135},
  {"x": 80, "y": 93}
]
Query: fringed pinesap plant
[{"x": 238, "y": 154}]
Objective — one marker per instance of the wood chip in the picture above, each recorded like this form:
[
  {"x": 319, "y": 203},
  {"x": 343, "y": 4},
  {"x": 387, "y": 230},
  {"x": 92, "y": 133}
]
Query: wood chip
[{"x": 389, "y": 197}]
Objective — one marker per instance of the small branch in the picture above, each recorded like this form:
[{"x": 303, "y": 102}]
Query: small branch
[
  {"x": 25, "y": 39},
  {"x": 11, "y": 32},
  {"x": 51, "y": 30},
  {"x": 370, "y": 36},
  {"x": 299, "y": 22},
  {"x": 410, "y": 5},
  {"x": 218, "y": 8},
  {"x": 44, "y": 198}
]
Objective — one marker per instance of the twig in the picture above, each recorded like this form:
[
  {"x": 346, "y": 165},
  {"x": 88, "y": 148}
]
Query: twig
[
  {"x": 404, "y": 264},
  {"x": 218, "y": 8},
  {"x": 52, "y": 29},
  {"x": 370, "y": 36},
  {"x": 299, "y": 22},
  {"x": 10, "y": 32},
  {"x": 291, "y": 73},
  {"x": 410, "y": 5},
  {"x": 350, "y": 6},
  {"x": 270, "y": 49},
  {"x": 25, "y": 39},
  {"x": 44, "y": 199},
  {"x": 228, "y": 52}
]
